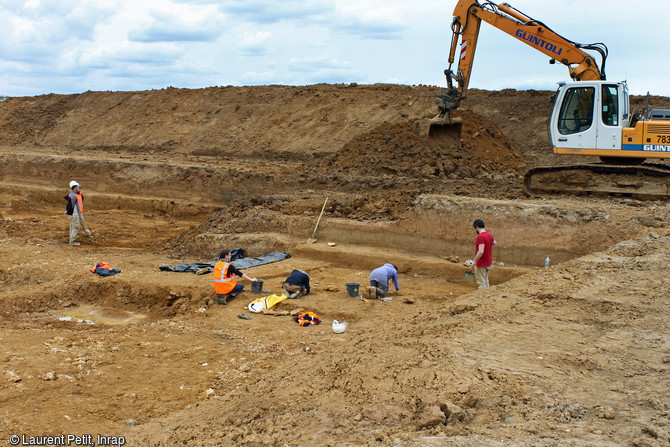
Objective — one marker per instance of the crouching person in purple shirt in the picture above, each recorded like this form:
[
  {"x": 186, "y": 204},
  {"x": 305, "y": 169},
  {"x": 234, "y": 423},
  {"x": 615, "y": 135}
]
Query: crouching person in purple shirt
[{"x": 379, "y": 281}]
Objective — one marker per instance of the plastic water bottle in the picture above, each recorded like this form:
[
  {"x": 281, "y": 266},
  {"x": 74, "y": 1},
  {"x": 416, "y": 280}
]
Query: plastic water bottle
[{"x": 546, "y": 262}]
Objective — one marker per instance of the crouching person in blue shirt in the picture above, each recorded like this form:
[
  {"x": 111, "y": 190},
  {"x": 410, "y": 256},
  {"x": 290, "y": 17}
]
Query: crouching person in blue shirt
[{"x": 297, "y": 284}]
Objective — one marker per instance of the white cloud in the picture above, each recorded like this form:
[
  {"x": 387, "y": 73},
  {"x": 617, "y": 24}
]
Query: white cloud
[
  {"x": 67, "y": 46},
  {"x": 369, "y": 21},
  {"x": 321, "y": 70},
  {"x": 259, "y": 78},
  {"x": 178, "y": 26},
  {"x": 39, "y": 31},
  {"x": 255, "y": 44},
  {"x": 272, "y": 11}
]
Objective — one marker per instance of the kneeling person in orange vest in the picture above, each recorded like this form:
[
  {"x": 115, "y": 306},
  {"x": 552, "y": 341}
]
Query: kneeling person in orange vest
[{"x": 225, "y": 278}]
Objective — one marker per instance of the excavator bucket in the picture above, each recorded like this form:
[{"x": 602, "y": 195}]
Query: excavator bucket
[{"x": 442, "y": 127}]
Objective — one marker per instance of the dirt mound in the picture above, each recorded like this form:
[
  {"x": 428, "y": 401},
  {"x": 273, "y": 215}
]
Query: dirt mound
[
  {"x": 276, "y": 122},
  {"x": 267, "y": 121},
  {"x": 477, "y": 146}
]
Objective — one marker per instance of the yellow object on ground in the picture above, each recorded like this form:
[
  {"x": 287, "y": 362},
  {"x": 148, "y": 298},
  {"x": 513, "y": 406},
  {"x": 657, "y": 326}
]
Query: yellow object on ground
[{"x": 260, "y": 304}]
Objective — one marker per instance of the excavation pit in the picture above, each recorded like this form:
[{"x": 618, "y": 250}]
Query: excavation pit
[{"x": 175, "y": 175}]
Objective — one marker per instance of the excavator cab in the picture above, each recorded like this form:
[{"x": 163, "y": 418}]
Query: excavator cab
[
  {"x": 576, "y": 111},
  {"x": 588, "y": 118}
]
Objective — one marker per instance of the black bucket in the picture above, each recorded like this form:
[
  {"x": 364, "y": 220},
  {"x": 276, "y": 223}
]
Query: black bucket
[
  {"x": 352, "y": 289},
  {"x": 257, "y": 286}
]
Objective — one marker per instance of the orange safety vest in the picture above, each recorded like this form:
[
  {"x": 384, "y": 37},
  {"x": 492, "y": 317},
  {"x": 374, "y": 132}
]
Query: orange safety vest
[
  {"x": 80, "y": 202},
  {"x": 102, "y": 265},
  {"x": 307, "y": 318},
  {"x": 222, "y": 282}
]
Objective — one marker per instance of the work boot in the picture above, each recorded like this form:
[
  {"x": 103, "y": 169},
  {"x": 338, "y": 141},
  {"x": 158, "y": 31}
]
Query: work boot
[{"x": 221, "y": 300}]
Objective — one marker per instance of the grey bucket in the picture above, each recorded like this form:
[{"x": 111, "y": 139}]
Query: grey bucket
[
  {"x": 469, "y": 277},
  {"x": 257, "y": 286},
  {"x": 352, "y": 289}
]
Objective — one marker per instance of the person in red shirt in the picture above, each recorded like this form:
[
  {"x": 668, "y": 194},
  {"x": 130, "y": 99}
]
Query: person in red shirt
[{"x": 483, "y": 258}]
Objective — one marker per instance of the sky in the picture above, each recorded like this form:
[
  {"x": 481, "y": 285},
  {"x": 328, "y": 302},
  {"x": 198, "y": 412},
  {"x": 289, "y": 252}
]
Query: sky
[{"x": 73, "y": 46}]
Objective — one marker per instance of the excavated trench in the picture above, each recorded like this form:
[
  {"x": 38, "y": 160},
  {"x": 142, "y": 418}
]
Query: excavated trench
[{"x": 431, "y": 239}]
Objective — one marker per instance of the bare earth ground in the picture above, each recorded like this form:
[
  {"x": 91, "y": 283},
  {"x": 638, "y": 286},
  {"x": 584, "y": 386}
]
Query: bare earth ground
[{"x": 578, "y": 354}]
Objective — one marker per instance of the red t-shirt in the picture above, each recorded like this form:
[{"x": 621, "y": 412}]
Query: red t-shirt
[{"x": 485, "y": 238}]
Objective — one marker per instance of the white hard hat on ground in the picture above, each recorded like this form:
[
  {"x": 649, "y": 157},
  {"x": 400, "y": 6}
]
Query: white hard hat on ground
[
  {"x": 339, "y": 327},
  {"x": 73, "y": 184}
]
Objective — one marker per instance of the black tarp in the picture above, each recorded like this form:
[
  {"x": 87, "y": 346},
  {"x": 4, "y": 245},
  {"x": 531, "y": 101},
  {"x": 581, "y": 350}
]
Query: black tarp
[{"x": 240, "y": 263}]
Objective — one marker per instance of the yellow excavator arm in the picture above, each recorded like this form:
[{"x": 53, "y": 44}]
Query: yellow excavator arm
[{"x": 469, "y": 14}]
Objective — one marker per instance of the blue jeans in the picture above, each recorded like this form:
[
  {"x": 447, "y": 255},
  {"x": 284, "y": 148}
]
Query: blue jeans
[
  {"x": 222, "y": 298},
  {"x": 382, "y": 289}
]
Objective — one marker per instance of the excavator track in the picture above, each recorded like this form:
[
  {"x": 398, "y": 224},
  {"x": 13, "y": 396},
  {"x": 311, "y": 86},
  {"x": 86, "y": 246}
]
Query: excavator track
[{"x": 645, "y": 181}]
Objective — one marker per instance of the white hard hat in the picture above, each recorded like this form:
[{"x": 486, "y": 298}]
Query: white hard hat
[
  {"x": 339, "y": 327},
  {"x": 73, "y": 184},
  {"x": 256, "y": 306}
]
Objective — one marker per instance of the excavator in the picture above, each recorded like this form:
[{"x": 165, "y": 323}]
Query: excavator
[{"x": 590, "y": 115}]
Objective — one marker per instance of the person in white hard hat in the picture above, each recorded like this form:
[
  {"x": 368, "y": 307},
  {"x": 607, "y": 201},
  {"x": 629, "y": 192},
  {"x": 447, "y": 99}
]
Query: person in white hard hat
[{"x": 75, "y": 212}]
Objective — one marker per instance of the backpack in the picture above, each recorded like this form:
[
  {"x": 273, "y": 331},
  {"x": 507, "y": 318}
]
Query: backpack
[{"x": 69, "y": 208}]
